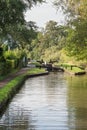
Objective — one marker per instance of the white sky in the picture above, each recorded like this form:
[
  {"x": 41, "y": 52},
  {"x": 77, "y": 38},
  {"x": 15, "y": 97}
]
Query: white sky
[{"x": 42, "y": 13}]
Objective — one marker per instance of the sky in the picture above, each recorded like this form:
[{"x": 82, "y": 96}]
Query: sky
[{"x": 43, "y": 13}]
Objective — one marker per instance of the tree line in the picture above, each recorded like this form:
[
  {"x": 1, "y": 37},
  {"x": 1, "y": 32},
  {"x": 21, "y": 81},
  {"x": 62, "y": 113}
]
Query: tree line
[
  {"x": 70, "y": 39},
  {"x": 54, "y": 42}
]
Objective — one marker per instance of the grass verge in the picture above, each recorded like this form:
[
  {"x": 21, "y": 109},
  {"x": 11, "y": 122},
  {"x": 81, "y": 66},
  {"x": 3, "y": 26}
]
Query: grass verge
[
  {"x": 6, "y": 90},
  {"x": 36, "y": 71},
  {"x": 73, "y": 69}
]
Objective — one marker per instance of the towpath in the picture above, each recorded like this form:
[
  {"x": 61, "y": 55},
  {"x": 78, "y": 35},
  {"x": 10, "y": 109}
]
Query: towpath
[{"x": 12, "y": 76}]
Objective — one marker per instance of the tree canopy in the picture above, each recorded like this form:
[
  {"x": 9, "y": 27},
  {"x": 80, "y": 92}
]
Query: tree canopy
[
  {"x": 49, "y": 42},
  {"x": 12, "y": 21},
  {"x": 12, "y": 11},
  {"x": 76, "y": 12}
]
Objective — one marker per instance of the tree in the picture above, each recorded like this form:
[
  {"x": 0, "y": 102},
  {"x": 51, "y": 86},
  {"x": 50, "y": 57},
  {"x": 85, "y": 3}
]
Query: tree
[
  {"x": 51, "y": 33},
  {"x": 76, "y": 10},
  {"x": 23, "y": 37},
  {"x": 54, "y": 34},
  {"x": 12, "y": 13},
  {"x": 13, "y": 27},
  {"x": 50, "y": 41}
]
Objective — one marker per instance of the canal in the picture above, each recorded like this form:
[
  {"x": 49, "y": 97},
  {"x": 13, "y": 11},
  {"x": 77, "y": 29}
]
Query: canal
[{"x": 53, "y": 102}]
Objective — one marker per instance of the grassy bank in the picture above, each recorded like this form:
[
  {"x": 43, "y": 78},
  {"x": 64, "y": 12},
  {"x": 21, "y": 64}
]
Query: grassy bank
[
  {"x": 73, "y": 69},
  {"x": 9, "y": 89},
  {"x": 5, "y": 90},
  {"x": 36, "y": 71}
]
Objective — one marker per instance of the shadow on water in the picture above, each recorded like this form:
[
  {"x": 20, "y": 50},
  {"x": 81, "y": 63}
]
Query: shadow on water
[{"x": 77, "y": 101}]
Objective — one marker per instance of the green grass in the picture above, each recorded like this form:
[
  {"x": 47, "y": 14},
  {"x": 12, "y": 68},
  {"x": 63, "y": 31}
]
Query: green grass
[
  {"x": 5, "y": 90},
  {"x": 36, "y": 71},
  {"x": 75, "y": 69},
  {"x": 72, "y": 68}
]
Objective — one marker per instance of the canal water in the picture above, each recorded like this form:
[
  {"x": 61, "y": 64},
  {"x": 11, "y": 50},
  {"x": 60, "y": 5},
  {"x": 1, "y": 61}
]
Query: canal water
[{"x": 53, "y": 102}]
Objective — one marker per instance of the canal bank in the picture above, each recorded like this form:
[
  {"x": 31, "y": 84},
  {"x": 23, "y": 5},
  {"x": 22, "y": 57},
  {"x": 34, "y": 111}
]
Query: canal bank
[
  {"x": 10, "y": 86},
  {"x": 53, "y": 102}
]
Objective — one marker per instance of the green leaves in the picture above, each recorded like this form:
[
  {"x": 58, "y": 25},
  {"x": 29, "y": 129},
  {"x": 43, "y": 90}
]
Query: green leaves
[
  {"x": 76, "y": 10},
  {"x": 12, "y": 11},
  {"x": 49, "y": 42},
  {"x": 13, "y": 27}
]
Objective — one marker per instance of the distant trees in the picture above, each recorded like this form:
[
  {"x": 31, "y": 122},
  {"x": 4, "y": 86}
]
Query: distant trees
[
  {"x": 72, "y": 37},
  {"x": 76, "y": 12},
  {"x": 49, "y": 42}
]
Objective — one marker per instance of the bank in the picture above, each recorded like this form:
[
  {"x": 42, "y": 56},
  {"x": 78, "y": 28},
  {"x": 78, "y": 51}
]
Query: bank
[
  {"x": 74, "y": 70},
  {"x": 14, "y": 85}
]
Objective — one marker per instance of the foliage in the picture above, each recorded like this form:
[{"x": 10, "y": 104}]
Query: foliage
[
  {"x": 11, "y": 64},
  {"x": 10, "y": 55},
  {"x": 2, "y": 68},
  {"x": 72, "y": 8},
  {"x": 37, "y": 64},
  {"x": 23, "y": 35},
  {"x": 49, "y": 42},
  {"x": 77, "y": 43},
  {"x": 51, "y": 53},
  {"x": 76, "y": 10},
  {"x": 12, "y": 12},
  {"x": 1, "y": 51},
  {"x": 14, "y": 30},
  {"x": 13, "y": 71},
  {"x": 11, "y": 60},
  {"x": 14, "y": 54},
  {"x": 7, "y": 66},
  {"x": 72, "y": 68}
]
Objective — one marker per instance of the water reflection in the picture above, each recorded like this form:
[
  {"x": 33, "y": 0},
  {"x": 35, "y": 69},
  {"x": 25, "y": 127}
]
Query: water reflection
[
  {"x": 15, "y": 118},
  {"x": 77, "y": 101},
  {"x": 52, "y": 102}
]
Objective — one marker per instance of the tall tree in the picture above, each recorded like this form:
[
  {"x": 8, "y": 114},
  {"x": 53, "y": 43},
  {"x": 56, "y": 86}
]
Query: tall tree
[
  {"x": 54, "y": 33},
  {"x": 76, "y": 10},
  {"x": 12, "y": 13},
  {"x": 50, "y": 41},
  {"x": 13, "y": 27}
]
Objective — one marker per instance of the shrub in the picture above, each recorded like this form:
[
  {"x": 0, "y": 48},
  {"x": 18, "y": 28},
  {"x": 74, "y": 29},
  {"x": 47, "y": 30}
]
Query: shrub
[
  {"x": 9, "y": 55},
  {"x": 10, "y": 64},
  {"x": 2, "y": 68}
]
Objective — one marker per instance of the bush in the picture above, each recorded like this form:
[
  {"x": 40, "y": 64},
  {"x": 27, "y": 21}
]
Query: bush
[
  {"x": 10, "y": 64},
  {"x": 2, "y": 68},
  {"x": 10, "y": 55},
  {"x": 17, "y": 56},
  {"x": 6, "y": 67}
]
